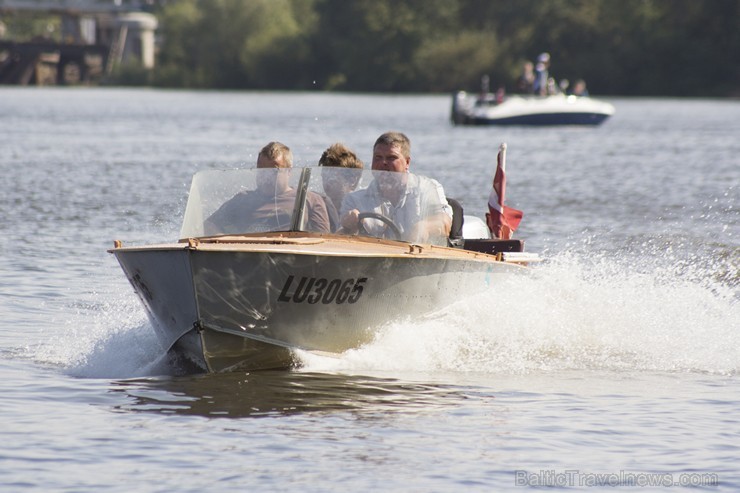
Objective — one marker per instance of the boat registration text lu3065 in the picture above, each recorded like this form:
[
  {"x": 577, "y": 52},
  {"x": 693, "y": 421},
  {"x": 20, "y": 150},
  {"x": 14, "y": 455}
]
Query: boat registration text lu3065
[{"x": 313, "y": 290}]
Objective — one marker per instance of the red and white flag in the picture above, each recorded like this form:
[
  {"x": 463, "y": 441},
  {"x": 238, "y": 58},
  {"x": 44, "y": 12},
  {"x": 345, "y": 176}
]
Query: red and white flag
[{"x": 502, "y": 221}]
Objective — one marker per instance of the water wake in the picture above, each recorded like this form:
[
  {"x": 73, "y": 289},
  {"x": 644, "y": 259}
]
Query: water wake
[
  {"x": 108, "y": 339},
  {"x": 571, "y": 313},
  {"x": 575, "y": 311}
]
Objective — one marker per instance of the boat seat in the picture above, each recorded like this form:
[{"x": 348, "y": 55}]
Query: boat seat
[{"x": 456, "y": 236}]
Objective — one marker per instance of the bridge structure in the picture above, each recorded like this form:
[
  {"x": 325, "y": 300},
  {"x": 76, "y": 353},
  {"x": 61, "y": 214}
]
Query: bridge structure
[{"x": 96, "y": 36}]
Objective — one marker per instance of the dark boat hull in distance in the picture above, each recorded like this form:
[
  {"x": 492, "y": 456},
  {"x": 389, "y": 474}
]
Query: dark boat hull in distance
[
  {"x": 542, "y": 119},
  {"x": 558, "y": 109}
]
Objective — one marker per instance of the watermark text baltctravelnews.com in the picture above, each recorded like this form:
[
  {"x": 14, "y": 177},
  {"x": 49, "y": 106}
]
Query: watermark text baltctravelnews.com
[{"x": 574, "y": 477}]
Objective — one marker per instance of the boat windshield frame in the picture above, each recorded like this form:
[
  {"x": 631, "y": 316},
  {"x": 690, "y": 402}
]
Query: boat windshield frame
[{"x": 309, "y": 199}]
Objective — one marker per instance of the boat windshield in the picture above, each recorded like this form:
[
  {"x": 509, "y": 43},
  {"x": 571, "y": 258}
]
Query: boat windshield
[{"x": 247, "y": 201}]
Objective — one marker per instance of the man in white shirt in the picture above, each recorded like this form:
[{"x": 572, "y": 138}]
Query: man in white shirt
[{"x": 416, "y": 205}]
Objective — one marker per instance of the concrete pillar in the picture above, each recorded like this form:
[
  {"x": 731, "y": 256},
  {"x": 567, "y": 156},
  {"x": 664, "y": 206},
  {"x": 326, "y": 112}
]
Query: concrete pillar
[{"x": 138, "y": 30}]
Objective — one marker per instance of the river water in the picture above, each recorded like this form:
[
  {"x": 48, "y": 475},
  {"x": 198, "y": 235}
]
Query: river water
[{"x": 616, "y": 364}]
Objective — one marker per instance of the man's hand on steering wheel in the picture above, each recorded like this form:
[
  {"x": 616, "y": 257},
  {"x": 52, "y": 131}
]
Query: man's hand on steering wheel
[{"x": 390, "y": 224}]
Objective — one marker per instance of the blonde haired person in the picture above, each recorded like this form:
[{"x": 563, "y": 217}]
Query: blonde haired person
[{"x": 269, "y": 207}]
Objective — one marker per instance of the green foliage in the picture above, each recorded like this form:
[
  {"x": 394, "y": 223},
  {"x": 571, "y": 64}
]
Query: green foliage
[
  {"x": 179, "y": 63},
  {"x": 459, "y": 61},
  {"x": 233, "y": 43},
  {"x": 630, "y": 47},
  {"x": 23, "y": 27},
  {"x": 130, "y": 74}
]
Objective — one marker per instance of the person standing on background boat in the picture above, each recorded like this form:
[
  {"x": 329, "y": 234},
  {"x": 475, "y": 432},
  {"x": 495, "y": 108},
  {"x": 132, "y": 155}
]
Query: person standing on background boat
[
  {"x": 338, "y": 183},
  {"x": 541, "y": 74},
  {"x": 417, "y": 206},
  {"x": 269, "y": 207}
]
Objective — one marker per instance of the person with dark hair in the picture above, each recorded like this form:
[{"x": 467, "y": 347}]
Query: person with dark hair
[
  {"x": 525, "y": 82},
  {"x": 338, "y": 183},
  {"x": 579, "y": 89}
]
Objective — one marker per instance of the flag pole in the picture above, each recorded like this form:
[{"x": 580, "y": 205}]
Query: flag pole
[{"x": 502, "y": 221}]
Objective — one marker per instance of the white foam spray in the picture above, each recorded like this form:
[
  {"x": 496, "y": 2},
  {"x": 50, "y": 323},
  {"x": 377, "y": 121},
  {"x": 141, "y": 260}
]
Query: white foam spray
[
  {"x": 574, "y": 311},
  {"x": 111, "y": 338},
  {"x": 571, "y": 313}
]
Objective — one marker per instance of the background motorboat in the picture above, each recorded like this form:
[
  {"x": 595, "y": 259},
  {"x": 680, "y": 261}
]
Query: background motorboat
[{"x": 557, "y": 109}]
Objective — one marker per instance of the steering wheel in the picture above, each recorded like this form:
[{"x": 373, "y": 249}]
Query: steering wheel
[{"x": 380, "y": 217}]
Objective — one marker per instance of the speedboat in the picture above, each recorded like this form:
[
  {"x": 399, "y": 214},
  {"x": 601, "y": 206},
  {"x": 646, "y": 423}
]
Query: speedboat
[
  {"x": 249, "y": 293},
  {"x": 557, "y": 109}
]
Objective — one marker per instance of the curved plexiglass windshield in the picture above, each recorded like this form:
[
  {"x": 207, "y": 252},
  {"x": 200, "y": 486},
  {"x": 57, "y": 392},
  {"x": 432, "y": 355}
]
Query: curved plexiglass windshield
[{"x": 382, "y": 204}]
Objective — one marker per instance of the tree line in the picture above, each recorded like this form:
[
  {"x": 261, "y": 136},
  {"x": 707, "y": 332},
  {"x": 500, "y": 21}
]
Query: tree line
[{"x": 620, "y": 47}]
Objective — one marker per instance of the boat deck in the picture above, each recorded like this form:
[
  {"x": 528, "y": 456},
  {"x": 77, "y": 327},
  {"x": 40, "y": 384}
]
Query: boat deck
[{"x": 318, "y": 244}]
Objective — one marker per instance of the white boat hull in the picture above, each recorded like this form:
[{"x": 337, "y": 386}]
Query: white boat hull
[{"x": 244, "y": 305}]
